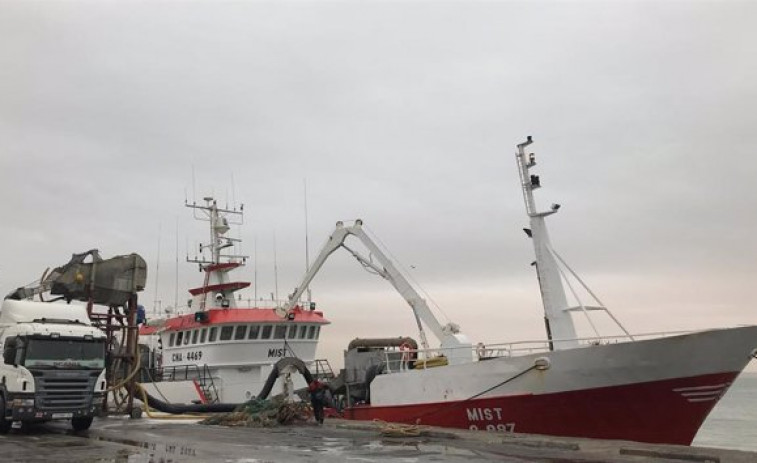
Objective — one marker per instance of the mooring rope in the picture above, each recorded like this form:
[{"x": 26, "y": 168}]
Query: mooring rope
[{"x": 399, "y": 429}]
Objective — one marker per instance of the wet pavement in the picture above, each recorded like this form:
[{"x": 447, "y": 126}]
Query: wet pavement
[
  {"x": 147, "y": 440},
  {"x": 137, "y": 441}
]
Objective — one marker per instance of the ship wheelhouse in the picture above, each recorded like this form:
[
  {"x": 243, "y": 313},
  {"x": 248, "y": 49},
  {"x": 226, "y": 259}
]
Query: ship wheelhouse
[
  {"x": 230, "y": 352},
  {"x": 240, "y": 337}
]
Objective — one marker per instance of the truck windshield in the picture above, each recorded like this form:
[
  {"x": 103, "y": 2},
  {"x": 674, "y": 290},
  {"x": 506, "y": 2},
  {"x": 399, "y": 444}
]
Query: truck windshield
[{"x": 65, "y": 353}]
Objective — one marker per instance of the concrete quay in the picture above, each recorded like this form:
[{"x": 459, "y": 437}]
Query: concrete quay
[{"x": 116, "y": 440}]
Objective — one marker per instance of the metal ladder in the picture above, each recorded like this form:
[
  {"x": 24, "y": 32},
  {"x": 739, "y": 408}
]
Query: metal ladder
[{"x": 205, "y": 380}]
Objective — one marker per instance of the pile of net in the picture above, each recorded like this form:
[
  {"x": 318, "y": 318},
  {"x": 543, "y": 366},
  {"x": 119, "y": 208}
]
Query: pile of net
[{"x": 260, "y": 413}]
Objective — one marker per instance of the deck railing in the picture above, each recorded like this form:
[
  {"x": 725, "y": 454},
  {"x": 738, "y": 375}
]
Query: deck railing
[
  {"x": 396, "y": 360},
  {"x": 199, "y": 373}
]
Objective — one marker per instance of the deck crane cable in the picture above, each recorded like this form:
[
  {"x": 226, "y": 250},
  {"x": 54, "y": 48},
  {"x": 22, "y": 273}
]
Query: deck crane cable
[
  {"x": 457, "y": 404},
  {"x": 288, "y": 347},
  {"x": 406, "y": 272},
  {"x": 362, "y": 262}
]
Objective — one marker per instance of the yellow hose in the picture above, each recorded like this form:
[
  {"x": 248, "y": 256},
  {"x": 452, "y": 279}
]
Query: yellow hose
[
  {"x": 143, "y": 393},
  {"x": 123, "y": 382},
  {"x": 146, "y": 408}
]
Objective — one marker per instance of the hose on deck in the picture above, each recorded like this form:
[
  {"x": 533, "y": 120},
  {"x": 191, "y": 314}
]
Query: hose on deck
[
  {"x": 178, "y": 409},
  {"x": 278, "y": 367}
]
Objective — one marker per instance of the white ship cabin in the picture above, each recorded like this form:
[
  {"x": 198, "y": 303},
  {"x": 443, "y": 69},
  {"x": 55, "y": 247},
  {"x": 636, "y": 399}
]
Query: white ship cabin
[{"x": 230, "y": 352}]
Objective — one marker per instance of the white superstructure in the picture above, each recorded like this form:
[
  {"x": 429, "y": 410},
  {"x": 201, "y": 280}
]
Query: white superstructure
[{"x": 220, "y": 351}]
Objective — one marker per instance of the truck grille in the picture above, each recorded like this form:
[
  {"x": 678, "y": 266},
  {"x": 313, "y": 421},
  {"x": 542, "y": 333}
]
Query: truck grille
[{"x": 64, "y": 389}]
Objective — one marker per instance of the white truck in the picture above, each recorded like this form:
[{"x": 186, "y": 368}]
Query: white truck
[{"x": 53, "y": 364}]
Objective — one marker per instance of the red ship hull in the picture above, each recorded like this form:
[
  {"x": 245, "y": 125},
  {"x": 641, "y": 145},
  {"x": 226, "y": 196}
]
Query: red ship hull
[{"x": 655, "y": 412}]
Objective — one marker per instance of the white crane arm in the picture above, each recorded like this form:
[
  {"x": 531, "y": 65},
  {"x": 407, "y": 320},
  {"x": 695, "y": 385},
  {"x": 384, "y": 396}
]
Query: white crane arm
[
  {"x": 447, "y": 334},
  {"x": 334, "y": 242}
]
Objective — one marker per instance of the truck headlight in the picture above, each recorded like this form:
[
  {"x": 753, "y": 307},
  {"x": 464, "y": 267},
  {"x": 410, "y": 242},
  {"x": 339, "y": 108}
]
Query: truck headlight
[{"x": 23, "y": 402}]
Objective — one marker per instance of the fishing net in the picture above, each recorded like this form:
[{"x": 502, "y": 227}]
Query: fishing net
[{"x": 262, "y": 413}]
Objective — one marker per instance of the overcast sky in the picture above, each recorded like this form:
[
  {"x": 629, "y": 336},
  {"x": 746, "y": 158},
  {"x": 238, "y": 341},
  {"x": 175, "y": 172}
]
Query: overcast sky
[{"x": 404, "y": 114}]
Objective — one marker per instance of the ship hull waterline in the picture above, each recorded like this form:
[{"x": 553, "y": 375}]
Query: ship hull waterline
[{"x": 657, "y": 391}]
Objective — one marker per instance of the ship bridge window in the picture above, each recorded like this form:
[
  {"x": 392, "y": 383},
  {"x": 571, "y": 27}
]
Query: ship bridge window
[
  {"x": 203, "y": 333},
  {"x": 292, "y": 332},
  {"x": 212, "y": 335},
  {"x": 186, "y": 338},
  {"x": 266, "y": 332},
  {"x": 179, "y": 337},
  {"x": 254, "y": 331},
  {"x": 170, "y": 339},
  {"x": 303, "y": 332},
  {"x": 311, "y": 332},
  {"x": 240, "y": 333},
  {"x": 195, "y": 333},
  {"x": 317, "y": 331},
  {"x": 226, "y": 333},
  {"x": 279, "y": 332}
]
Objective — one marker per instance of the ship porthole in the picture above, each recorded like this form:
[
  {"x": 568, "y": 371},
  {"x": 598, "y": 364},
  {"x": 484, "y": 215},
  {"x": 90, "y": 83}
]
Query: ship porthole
[{"x": 248, "y": 394}]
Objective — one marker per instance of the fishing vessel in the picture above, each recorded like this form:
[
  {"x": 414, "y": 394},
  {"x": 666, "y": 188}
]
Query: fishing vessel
[
  {"x": 655, "y": 388},
  {"x": 220, "y": 350}
]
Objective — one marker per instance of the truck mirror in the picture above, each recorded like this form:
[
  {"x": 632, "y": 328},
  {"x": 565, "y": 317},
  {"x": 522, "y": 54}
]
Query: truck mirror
[
  {"x": 9, "y": 355},
  {"x": 9, "y": 352}
]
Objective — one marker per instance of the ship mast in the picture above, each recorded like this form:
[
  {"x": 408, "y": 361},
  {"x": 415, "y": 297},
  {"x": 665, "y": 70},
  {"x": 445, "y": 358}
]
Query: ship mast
[
  {"x": 560, "y": 328},
  {"x": 216, "y": 277}
]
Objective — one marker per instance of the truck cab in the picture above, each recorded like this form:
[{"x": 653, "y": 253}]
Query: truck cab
[{"x": 53, "y": 364}]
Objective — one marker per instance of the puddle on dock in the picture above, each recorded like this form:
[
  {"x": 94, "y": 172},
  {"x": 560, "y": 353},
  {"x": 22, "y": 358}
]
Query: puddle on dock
[
  {"x": 326, "y": 448},
  {"x": 134, "y": 443},
  {"x": 156, "y": 451}
]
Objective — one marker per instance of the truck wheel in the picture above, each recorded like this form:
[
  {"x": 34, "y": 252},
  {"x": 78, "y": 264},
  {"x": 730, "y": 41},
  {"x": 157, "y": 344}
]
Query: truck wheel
[
  {"x": 81, "y": 423},
  {"x": 136, "y": 413},
  {"x": 5, "y": 425}
]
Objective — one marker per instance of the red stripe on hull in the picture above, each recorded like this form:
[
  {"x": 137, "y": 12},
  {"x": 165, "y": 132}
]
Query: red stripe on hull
[{"x": 652, "y": 412}]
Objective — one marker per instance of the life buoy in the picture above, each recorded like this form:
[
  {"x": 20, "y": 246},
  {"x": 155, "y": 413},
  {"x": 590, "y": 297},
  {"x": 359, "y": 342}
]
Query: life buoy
[{"x": 406, "y": 350}]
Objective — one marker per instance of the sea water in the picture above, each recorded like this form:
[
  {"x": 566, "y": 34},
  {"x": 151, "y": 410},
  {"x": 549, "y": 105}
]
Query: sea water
[{"x": 733, "y": 422}]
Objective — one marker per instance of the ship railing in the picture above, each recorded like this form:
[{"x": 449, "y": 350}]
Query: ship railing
[
  {"x": 266, "y": 303},
  {"x": 201, "y": 374},
  {"x": 178, "y": 373},
  {"x": 321, "y": 369},
  {"x": 396, "y": 360},
  {"x": 246, "y": 303},
  {"x": 511, "y": 349}
]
